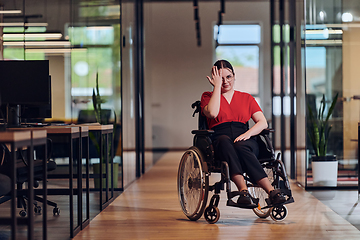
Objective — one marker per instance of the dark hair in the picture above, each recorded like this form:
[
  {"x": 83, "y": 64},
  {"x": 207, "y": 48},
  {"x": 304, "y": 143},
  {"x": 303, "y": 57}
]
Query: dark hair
[{"x": 224, "y": 64}]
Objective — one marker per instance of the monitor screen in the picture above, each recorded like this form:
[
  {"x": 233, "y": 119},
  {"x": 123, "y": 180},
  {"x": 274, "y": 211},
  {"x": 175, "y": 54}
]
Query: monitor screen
[
  {"x": 25, "y": 82},
  {"x": 25, "y": 91},
  {"x": 30, "y": 112}
]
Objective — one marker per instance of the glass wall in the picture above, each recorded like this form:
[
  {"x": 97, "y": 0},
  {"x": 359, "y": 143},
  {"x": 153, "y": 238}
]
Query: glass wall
[
  {"x": 94, "y": 34},
  {"x": 81, "y": 40},
  {"x": 332, "y": 39},
  {"x": 284, "y": 30},
  {"x": 129, "y": 113}
]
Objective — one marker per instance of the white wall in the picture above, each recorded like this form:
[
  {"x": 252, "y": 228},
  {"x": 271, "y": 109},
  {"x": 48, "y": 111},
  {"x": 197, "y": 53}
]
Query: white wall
[
  {"x": 60, "y": 89},
  {"x": 176, "y": 68},
  {"x": 351, "y": 86}
]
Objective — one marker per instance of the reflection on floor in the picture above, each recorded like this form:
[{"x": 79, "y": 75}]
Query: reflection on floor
[
  {"x": 149, "y": 209},
  {"x": 343, "y": 202},
  {"x": 346, "y": 178},
  {"x": 154, "y": 213},
  {"x": 58, "y": 226}
]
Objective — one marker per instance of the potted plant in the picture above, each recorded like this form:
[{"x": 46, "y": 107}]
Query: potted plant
[
  {"x": 324, "y": 166},
  {"x": 97, "y": 101}
]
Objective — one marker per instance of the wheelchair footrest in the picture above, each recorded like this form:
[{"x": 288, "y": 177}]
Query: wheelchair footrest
[
  {"x": 269, "y": 204},
  {"x": 231, "y": 203}
]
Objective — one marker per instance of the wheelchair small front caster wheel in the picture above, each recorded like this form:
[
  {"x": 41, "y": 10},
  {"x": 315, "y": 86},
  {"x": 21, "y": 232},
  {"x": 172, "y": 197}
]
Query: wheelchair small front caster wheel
[
  {"x": 22, "y": 213},
  {"x": 278, "y": 213},
  {"x": 212, "y": 214},
  {"x": 37, "y": 210},
  {"x": 56, "y": 211}
]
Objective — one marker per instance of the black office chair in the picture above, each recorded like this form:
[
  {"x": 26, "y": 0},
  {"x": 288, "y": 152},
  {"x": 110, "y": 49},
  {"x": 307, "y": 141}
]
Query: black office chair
[
  {"x": 22, "y": 177},
  {"x": 5, "y": 185},
  {"x": 88, "y": 116}
]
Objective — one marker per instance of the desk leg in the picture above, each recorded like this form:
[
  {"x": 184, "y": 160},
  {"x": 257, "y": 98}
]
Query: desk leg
[
  {"x": 87, "y": 180},
  {"x": 79, "y": 182},
  {"x": 30, "y": 208},
  {"x": 104, "y": 139},
  {"x": 71, "y": 187},
  {"x": 13, "y": 194},
  {"x": 44, "y": 213},
  {"x": 86, "y": 221},
  {"x": 101, "y": 171},
  {"x": 112, "y": 164},
  {"x": 107, "y": 167}
]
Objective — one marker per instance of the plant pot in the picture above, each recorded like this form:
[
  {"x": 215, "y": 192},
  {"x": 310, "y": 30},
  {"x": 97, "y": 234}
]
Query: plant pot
[
  {"x": 324, "y": 171},
  {"x": 114, "y": 180}
]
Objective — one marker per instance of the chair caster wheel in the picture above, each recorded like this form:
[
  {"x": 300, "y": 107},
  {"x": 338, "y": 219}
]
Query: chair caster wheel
[
  {"x": 278, "y": 213},
  {"x": 56, "y": 211},
  {"x": 212, "y": 214},
  {"x": 37, "y": 210},
  {"x": 22, "y": 213}
]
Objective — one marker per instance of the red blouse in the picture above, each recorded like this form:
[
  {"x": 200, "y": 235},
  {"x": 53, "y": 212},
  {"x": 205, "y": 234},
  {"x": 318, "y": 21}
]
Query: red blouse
[{"x": 240, "y": 109}]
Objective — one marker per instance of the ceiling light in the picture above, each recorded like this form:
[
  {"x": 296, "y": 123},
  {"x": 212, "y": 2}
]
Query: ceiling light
[
  {"x": 39, "y": 43},
  {"x": 54, "y": 50},
  {"x": 324, "y": 42},
  {"x": 100, "y": 28},
  {"x": 21, "y": 24},
  {"x": 31, "y": 36},
  {"x": 321, "y": 31},
  {"x": 347, "y": 17},
  {"x": 344, "y": 25},
  {"x": 322, "y": 16},
  {"x": 10, "y": 11}
]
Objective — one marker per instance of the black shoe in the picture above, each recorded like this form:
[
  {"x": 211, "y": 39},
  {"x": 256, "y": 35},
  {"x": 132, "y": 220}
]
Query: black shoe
[
  {"x": 276, "y": 197},
  {"x": 244, "y": 198}
]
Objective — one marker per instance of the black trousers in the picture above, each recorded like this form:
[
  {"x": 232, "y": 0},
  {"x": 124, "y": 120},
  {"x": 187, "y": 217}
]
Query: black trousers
[{"x": 240, "y": 156}]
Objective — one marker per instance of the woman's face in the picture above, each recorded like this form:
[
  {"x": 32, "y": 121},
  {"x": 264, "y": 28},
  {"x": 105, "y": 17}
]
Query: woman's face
[{"x": 227, "y": 80}]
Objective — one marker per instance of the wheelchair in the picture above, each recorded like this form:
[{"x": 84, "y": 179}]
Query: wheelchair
[{"x": 199, "y": 162}]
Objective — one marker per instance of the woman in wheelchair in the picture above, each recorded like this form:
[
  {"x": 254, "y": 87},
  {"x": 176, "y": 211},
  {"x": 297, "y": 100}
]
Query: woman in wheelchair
[{"x": 227, "y": 112}]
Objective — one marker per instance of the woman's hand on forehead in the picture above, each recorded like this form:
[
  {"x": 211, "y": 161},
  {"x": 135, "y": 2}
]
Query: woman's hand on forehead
[{"x": 216, "y": 76}]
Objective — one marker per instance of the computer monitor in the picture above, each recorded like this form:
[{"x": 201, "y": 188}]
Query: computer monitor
[{"x": 25, "y": 85}]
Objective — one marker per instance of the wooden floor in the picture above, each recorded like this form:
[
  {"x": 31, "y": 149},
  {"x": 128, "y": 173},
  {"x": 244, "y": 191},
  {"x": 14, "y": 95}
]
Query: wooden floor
[
  {"x": 57, "y": 226},
  {"x": 149, "y": 209}
]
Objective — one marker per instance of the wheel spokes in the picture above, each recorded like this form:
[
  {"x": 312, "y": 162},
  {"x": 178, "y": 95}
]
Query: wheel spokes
[{"x": 191, "y": 186}]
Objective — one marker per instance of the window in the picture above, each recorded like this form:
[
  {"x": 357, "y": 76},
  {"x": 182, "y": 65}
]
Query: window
[
  {"x": 96, "y": 60},
  {"x": 240, "y": 45}
]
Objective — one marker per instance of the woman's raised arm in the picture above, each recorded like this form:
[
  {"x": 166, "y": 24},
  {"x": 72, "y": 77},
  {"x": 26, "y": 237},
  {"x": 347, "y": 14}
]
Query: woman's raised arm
[{"x": 212, "y": 109}]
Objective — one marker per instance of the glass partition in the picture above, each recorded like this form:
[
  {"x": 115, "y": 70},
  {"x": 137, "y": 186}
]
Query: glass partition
[
  {"x": 284, "y": 29},
  {"x": 129, "y": 91},
  {"x": 81, "y": 40},
  {"x": 332, "y": 39},
  {"x": 94, "y": 70}
]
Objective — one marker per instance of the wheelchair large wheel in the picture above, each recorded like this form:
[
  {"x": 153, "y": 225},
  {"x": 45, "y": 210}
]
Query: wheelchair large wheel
[
  {"x": 193, "y": 184},
  {"x": 258, "y": 192}
]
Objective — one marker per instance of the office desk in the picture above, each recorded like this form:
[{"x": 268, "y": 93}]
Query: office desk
[
  {"x": 67, "y": 135},
  {"x": 104, "y": 134},
  {"x": 18, "y": 140},
  {"x": 84, "y": 219}
]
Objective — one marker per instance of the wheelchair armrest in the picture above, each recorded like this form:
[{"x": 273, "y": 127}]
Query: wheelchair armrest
[
  {"x": 266, "y": 131},
  {"x": 202, "y": 132}
]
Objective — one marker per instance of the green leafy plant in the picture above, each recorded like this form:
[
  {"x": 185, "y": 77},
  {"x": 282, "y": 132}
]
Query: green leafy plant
[
  {"x": 97, "y": 101},
  {"x": 106, "y": 153},
  {"x": 319, "y": 129}
]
